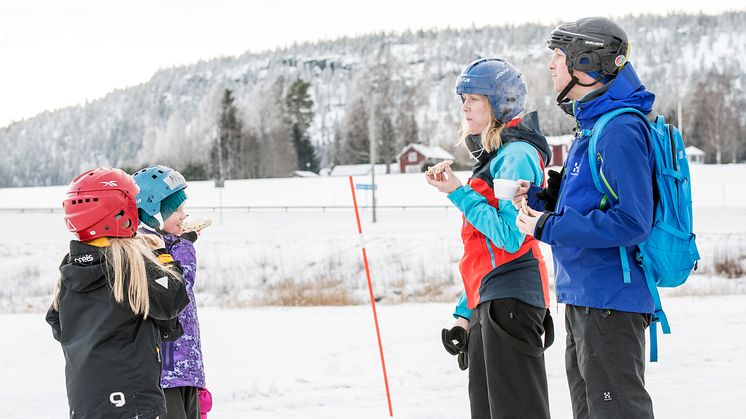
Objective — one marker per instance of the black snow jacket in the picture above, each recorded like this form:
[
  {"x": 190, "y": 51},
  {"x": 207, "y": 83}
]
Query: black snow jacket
[{"x": 112, "y": 359}]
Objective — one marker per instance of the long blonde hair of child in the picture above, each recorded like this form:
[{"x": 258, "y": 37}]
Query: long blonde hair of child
[{"x": 127, "y": 256}]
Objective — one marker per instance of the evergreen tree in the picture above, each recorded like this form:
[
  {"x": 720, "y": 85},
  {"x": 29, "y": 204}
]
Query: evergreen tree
[{"x": 298, "y": 108}]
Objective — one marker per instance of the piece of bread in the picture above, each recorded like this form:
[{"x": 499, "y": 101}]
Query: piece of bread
[
  {"x": 438, "y": 168},
  {"x": 195, "y": 225}
]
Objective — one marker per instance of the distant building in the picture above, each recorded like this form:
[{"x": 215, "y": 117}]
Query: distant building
[
  {"x": 414, "y": 156},
  {"x": 559, "y": 146},
  {"x": 695, "y": 155}
]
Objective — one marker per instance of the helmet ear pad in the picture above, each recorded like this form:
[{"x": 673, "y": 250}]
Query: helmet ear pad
[{"x": 587, "y": 62}]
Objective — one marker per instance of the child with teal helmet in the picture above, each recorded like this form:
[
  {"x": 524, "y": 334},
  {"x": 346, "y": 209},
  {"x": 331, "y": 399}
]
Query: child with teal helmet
[{"x": 161, "y": 209}]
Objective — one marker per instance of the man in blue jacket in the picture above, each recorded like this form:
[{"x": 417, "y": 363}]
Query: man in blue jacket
[{"x": 608, "y": 305}]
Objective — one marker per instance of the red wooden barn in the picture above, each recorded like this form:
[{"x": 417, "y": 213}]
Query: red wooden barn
[{"x": 415, "y": 157}]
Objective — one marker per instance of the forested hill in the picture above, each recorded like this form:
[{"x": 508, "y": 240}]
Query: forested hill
[{"x": 393, "y": 88}]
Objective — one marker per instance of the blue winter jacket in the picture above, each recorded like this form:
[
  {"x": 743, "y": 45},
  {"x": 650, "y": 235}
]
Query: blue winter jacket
[{"x": 588, "y": 227}]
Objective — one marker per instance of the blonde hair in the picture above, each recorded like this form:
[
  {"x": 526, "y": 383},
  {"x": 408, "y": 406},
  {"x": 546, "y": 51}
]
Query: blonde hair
[
  {"x": 490, "y": 135},
  {"x": 127, "y": 257}
]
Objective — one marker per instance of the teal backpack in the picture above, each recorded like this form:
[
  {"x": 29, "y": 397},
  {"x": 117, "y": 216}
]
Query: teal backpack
[{"x": 670, "y": 253}]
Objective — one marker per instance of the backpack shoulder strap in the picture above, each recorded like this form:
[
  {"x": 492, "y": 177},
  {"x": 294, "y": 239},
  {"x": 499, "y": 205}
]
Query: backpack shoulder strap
[
  {"x": 593, "y": 141},
  {"x": 596, "y": 173}
]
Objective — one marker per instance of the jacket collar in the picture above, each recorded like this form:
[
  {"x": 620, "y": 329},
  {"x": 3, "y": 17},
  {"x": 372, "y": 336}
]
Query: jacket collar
[{"x": 624, "y": 91}]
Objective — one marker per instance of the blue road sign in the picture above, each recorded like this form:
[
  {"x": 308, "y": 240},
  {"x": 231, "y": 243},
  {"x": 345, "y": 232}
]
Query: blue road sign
[{"x": 366, "y": 186}]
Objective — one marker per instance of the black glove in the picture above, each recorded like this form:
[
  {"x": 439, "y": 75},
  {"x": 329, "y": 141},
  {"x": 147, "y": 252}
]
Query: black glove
[
  {"x": 190, "y": 235},
  {"x": 455, "y": 341},
  {"x": 551, "y": 192}
]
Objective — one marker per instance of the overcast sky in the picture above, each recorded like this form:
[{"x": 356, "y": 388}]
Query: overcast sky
[{"x": 59, "y": 53}]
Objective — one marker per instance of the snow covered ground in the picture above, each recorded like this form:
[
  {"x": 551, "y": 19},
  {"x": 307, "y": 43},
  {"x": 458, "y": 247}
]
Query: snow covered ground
[{"x": 322, "y": 362}]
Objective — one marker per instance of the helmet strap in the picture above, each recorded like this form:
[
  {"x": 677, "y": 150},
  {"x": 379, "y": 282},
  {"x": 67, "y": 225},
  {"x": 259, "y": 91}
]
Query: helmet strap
[
  {"x": 159, "y": 217},
  {"x": 562, "y": 97},
  {"x": 596, "y": 80}
]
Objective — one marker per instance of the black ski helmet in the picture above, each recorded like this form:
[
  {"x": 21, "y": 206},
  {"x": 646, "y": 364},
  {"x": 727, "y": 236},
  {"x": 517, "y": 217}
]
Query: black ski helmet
[{"x": 592, "y": 45}]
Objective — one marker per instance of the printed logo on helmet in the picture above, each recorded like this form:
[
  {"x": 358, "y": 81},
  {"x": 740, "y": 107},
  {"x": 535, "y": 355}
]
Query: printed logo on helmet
[
  {"x": 463, "y": 79},
  {"x": 109, "y": 183},
  {"x": 620, "y": 60},
  {"x": 595, "y": 43},
  {"x": 173, "y": 180},
  {"x": 502, "y": 73}
]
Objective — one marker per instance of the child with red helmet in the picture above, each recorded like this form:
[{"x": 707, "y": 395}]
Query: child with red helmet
[{"x": 110, "y": 301}]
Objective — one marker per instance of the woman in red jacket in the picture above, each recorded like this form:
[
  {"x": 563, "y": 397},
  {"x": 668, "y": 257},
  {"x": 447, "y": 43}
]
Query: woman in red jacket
[{"x": 505, "y": 307}]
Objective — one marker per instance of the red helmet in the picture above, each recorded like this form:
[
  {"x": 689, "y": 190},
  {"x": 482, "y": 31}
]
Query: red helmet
[{"x": 101, "y": 203}]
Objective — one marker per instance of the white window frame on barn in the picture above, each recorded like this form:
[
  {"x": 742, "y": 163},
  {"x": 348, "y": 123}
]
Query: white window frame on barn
[{"x": 412, "y": 156}]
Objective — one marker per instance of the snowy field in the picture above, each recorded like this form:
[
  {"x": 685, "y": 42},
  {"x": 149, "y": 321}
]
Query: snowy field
[{"x": 322, "y": 362}]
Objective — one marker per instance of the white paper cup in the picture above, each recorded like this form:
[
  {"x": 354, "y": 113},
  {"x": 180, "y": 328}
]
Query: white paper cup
[{"x": 505, "y": 188}]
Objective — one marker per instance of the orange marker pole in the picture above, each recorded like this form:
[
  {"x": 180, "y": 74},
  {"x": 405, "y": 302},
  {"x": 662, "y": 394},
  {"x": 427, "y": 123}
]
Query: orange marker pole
[{"x": 372, "y": 298}]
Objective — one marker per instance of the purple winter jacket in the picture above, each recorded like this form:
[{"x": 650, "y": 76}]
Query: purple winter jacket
[{"x": 182, "y": 358}]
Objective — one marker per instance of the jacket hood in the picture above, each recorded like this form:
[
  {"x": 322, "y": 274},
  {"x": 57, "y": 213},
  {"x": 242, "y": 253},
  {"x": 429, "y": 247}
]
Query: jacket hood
[
  {"x": 625, "y": 91},
  {"x": 84, "y": 269},
  {"x": 528, "y": 131}
]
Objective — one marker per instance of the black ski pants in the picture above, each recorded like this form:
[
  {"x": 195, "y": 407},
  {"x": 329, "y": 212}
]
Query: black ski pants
[
  {"x": 181, "y": 403},
  {"x": 605, "y": 363},
  {"x": 507, "y": 374}
]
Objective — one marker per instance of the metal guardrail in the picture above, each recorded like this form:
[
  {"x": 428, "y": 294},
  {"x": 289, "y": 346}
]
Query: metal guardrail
[{"x": 273, "y": 208}]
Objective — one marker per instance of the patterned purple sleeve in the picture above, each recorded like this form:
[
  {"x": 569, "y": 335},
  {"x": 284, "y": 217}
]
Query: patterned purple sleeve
[
  {"x": 182, "y": 359},
  {"x": 183, "y": 251}
]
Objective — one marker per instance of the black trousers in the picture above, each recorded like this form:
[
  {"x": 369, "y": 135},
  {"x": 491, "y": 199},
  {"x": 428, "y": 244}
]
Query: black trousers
[
  {"x": 605, "y": 363},
  {"x": 181, "y": 403},
  {"x": 507, "y": 374}
]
